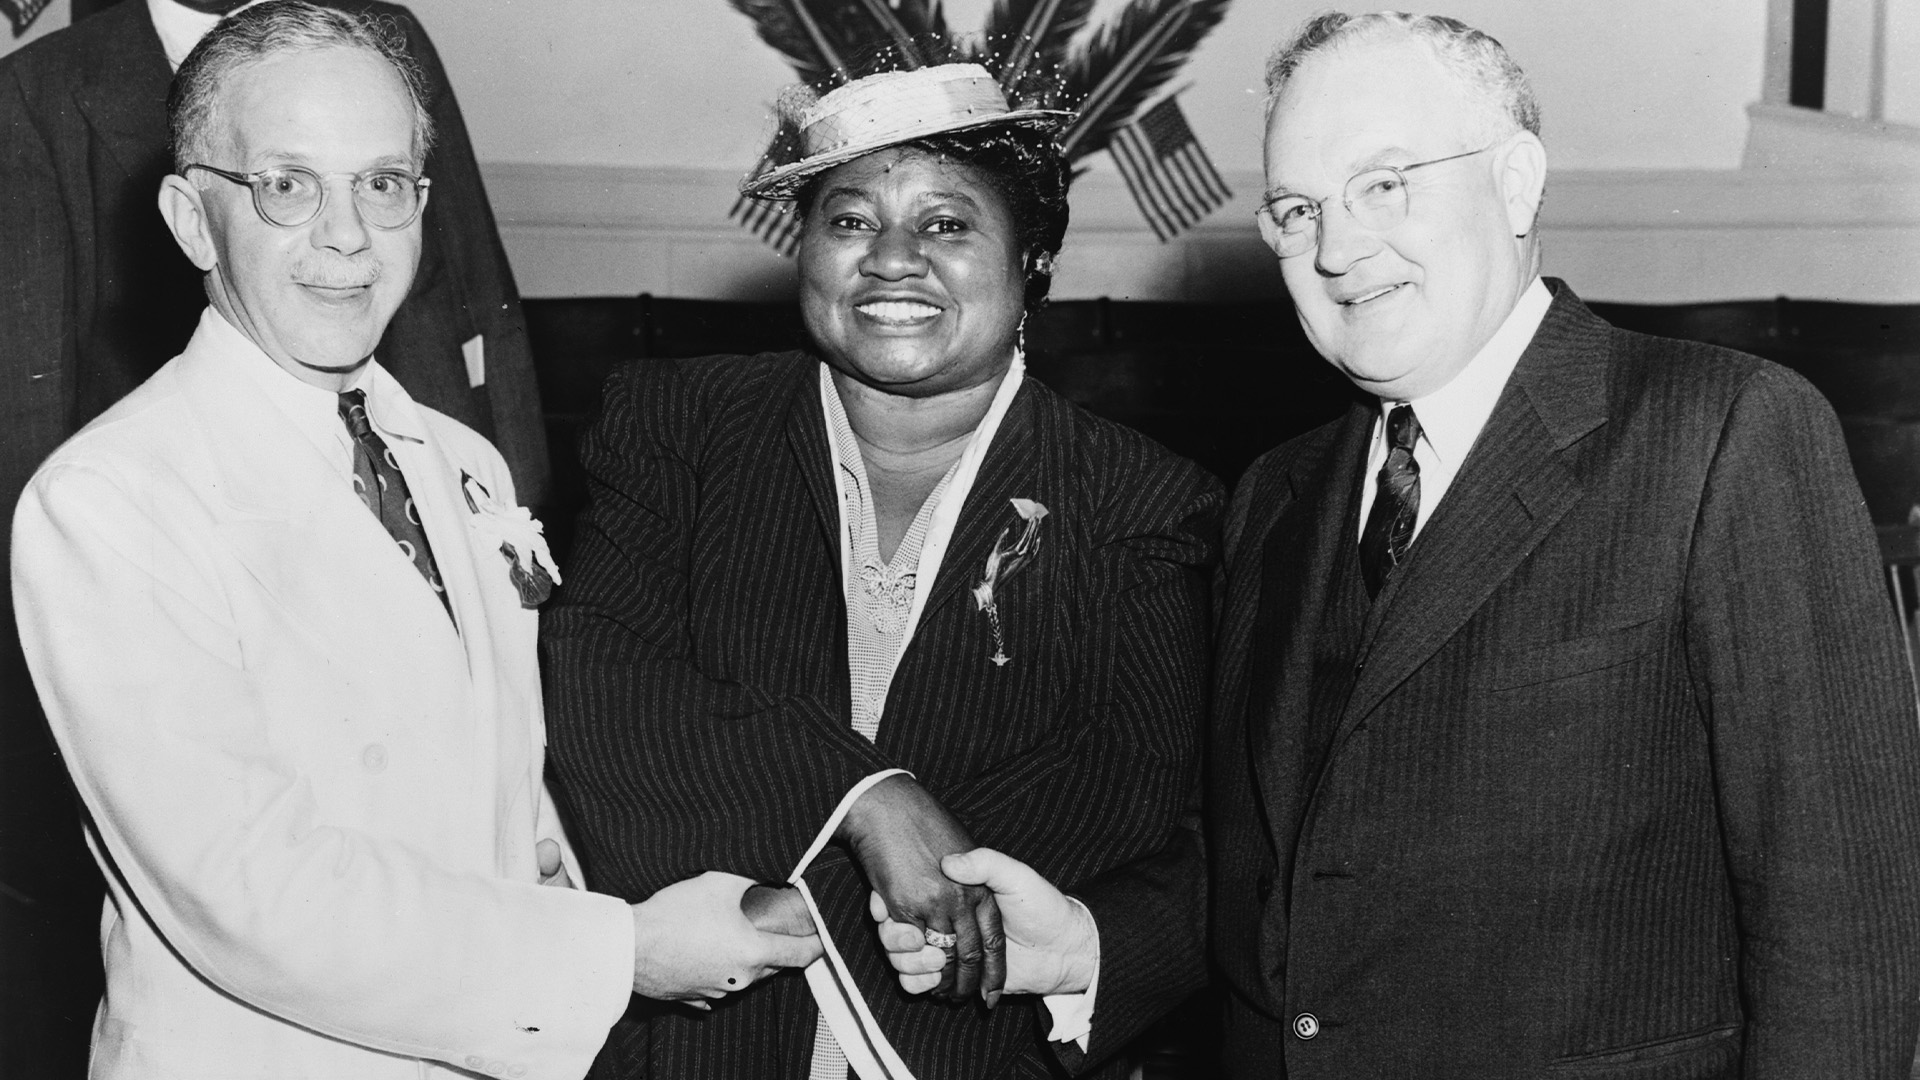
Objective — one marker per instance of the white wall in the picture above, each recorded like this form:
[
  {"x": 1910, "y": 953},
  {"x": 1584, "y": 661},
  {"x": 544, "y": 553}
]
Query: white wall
[
  {"x": 612, "y": 133},
  {"x": 1628, "y": 84}
]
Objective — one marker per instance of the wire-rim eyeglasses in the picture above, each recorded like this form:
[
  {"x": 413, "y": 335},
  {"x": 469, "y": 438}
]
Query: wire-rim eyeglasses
[
  {"x": 1377, "y": 199},
  {"x": 289, "y": 196}
]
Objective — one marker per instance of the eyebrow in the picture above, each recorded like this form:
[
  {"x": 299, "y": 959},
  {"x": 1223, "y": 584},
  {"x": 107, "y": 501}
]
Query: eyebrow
[{"x": 1380, "y": 158}]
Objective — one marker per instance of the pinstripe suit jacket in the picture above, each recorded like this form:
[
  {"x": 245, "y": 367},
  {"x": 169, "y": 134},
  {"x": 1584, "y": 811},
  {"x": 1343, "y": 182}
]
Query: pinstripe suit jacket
[
  {"x": 698, "y": 670},
  {"x": 1627, "y": 782}
]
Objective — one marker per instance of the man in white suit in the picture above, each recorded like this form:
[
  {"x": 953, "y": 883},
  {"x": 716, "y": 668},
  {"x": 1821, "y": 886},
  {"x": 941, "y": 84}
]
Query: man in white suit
[{"x": 281, "y": 618}]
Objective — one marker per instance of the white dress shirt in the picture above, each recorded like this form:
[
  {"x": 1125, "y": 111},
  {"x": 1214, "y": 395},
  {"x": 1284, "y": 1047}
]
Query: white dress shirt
[{"x": 1451, "y": 417}]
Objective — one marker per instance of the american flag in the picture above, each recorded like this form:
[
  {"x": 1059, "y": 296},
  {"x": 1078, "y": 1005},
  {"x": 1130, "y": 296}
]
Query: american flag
[
  {"x": 1168, "y": 173},
  {"x": 774, "y": 222},
  {"x": 21, "y": 13}
]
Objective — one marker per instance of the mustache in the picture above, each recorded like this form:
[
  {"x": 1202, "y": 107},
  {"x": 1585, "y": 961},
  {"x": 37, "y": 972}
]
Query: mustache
[{"x": 348, "y": 273}]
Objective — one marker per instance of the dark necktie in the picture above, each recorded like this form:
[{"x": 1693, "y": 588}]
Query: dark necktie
[
  {"x": 377, "y": 480},
  {"x": 1389, "y": 530}
]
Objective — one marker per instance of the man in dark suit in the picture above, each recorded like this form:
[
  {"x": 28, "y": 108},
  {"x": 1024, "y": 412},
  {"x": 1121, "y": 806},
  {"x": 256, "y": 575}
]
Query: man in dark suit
[
  {"x": 1560, "y": 722},
  {"x": 95, "y": 296}
]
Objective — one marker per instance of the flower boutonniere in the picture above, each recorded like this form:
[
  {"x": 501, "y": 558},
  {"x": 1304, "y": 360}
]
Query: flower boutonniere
[
  {"x": 1008, "y": 555},
  {"x": 530, "y": 564}
]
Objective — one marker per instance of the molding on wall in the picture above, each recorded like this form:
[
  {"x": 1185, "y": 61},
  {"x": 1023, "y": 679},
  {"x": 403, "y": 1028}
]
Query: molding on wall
[
  {"x": 1630, "y": 236},
  {"x": 1808, "y": 140}
]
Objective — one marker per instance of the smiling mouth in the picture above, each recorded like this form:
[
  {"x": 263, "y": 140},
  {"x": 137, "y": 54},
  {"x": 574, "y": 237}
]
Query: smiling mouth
[
  {"x": 336, "y": 293},
  {"x": 1369, "y": 296},
  {"x": 897, "y": 312}
]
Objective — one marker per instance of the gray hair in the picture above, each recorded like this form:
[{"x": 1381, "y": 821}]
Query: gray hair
[
  {"x": 263, "y": 30},
  {"x": 1475, "y": 58}
]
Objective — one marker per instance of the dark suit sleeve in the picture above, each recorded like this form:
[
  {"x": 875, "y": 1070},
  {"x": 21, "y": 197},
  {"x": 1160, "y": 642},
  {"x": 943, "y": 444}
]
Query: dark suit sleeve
[
  {"x": 640, "y": 734},
  {"x": 35, "y": 308},
  {"x": 1796, "y": 663},
  {"x": 1152, "y": 919}
]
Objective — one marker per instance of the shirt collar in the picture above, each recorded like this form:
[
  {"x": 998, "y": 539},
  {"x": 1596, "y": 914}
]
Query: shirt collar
[
  {"x": 1452, "y": 416},
  {"x": 314, "y": 411},
  {"x": 180, "y": 28}
]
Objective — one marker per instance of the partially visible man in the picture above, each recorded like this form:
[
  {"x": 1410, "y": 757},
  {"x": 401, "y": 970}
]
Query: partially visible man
[
  {"x": 282, "y": 621},
  {"x": 1560, "y": 720},
  {"x": 94, "y": 297}
]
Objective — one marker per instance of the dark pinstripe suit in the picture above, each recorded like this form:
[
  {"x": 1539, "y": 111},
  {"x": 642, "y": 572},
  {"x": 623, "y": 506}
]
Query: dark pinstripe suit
[
  {"x": 699, "y": 696},
  {"x": 1627, "y": 783}
]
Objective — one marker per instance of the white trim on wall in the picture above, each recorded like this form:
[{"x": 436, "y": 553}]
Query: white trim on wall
[{"x": 1641, "y": 236}]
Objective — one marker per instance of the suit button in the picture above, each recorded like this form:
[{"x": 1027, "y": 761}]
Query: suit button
[
  {"x": 517, "y": 1071},
  {"x": 374, "y": 757},
  {"x": 1263, "y": 887},
  {"x": 1306, "y": 1025},
  {"x": 496, "y": 1067},
  {"x": 475, "y": 1062}
]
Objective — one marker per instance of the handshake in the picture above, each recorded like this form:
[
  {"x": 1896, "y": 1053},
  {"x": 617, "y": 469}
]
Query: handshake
[{"x": 958, "y": 922}]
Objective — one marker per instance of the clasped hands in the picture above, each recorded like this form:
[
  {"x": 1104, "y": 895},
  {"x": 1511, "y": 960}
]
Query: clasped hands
[
  {"x": 699, "y": 940},
  {"x": 1010, "y": 930},
  {"x": 1014, "y": 933}
]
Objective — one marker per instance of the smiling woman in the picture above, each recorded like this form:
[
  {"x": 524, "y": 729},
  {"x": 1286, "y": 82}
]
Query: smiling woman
[{"x": 837, "y": 614}]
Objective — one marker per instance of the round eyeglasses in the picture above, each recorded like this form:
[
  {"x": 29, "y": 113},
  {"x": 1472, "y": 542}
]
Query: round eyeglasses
[
  {"x": 1377, "y": 199},
  {"x": 290, "y": 196}
]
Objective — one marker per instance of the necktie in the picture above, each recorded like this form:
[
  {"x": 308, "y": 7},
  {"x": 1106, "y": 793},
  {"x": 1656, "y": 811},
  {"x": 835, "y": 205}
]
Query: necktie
[
  {"x": 1389, "y": 530},
  {"x": 377, "y": 480}
]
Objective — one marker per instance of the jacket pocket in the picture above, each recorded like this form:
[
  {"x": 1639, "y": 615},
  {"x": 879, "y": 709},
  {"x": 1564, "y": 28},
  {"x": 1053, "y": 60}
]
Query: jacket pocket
[
  {"x": 1576, "y": 656},
  {"x": 1707, "y": 1054}
]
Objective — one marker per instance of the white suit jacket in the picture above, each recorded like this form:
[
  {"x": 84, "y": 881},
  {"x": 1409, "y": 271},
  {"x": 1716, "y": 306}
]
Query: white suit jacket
[{"x": 314, "y": 802}]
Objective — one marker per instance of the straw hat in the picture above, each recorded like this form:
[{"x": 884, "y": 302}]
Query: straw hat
[{"x": 889, "y": 109}]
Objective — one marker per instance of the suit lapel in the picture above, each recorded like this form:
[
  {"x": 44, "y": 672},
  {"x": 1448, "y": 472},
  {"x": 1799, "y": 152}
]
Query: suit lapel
[
  {"x": 124, "y": 95},
  {"x": 303, "y": 536},
  {"x": 1009, "y": 470},
  {"x": 1296, "y": 565},
  {"x": 1516, "y": 484},
  {"x": 807, "y": 436}
]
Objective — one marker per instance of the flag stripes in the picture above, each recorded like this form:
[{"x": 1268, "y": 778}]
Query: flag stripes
[
  {"x": 1169, "y": 175},
  {"x": 21, "y": 13},
  {"x": 773, "y": 222}
]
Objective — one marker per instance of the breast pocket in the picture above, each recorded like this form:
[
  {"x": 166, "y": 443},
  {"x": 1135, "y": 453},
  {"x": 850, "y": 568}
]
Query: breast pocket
[{"x": 1558, "y": 660}]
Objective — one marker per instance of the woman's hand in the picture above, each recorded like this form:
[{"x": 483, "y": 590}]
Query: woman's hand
[
  {"x": 899, "y": 833},
  {"x": 692, "y": 941}
]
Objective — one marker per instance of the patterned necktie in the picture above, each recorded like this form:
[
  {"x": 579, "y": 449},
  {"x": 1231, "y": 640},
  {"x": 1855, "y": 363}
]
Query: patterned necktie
[
  {"x": 377, "y": 480},
  {"x": 1389, "y": 531}
]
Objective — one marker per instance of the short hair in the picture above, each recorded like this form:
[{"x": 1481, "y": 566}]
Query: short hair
[
  {"x": 257, "y": 33},
  {"x": 1024, "y": 167},
  {"x": 1474, "y": 57}
]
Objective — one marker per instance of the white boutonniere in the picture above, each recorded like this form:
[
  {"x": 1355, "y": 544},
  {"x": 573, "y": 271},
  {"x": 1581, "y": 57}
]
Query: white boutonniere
[
  {"x": 518, "y": 535},
  {"x": 1008, "y": 555}
]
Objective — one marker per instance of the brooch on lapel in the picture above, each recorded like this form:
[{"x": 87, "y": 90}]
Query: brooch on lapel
[
  {"x": 530, "y": 564},
  {"x": 1002, "y": 562}
]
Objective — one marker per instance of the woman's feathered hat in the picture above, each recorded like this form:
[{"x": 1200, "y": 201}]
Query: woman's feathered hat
[{"x": 883, "y": 110}]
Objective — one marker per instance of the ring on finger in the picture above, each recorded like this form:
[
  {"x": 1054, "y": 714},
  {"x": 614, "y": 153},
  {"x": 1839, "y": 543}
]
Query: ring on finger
[{"x": 940, "y": 940}]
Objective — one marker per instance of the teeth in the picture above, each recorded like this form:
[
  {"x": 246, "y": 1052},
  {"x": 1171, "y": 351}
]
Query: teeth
[
  {"x": 897, "y": 310},
  {"x": 1375, "y": 294}
]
